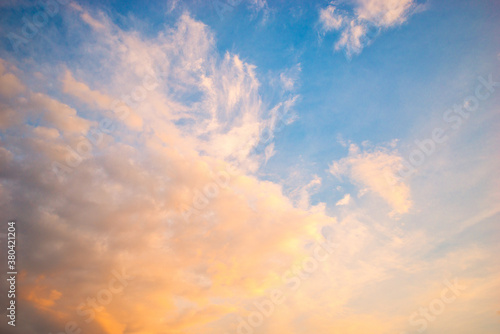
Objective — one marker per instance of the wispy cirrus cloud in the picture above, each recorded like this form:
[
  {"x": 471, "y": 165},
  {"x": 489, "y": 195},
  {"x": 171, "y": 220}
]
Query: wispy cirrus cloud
[{"x": 357, "y": 20}]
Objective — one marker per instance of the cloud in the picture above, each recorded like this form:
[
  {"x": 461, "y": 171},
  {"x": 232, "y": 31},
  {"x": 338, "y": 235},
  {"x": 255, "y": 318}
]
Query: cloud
[
  {"x": 351, "y": 38},
  {"x": 290, "y": 77},
  {"x": 10, "y": 85},
  {"x": 88, "y": 18},
  {"x": 58, "y": 114},
  {"x": 100, "y": 101},
  {"x": 269, "y": 152},
  {"x": 344, "y": 201},
  {"x": 330, "y": 18},
  {"x": 374, "y": 170},
  {"x": 80, "y": 90},
  {"x": 258, "y": 4},
  {"x": 124, "y": 197},
  {"x": 362, "y": 17},
  {"x": 127, "y": 191},
  {"x": 225, "y": 112},
  {"x": 385, "y": 13},
  {"x": 122, "y": 207},
  {"x": 302, "y": 194}
]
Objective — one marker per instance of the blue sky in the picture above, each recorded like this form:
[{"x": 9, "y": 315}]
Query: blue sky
[{"x": 120, "y": 122}]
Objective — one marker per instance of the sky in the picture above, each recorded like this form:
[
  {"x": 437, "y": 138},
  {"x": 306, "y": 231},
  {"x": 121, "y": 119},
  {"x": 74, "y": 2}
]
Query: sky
[{"x": 251, "y": 166}]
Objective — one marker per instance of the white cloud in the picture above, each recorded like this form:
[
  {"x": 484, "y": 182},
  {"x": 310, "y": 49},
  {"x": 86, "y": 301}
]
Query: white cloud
[
  {"x": 225, "y": 116},
  {"x": 302, "y": 194},
  {"x": 385, "y": 13},
  {"x": 269, "y": 152},
  {"x": 58, "y": 114},
  {"x": 351, "y": 38},
  {"x": 124, "y": 205},
  {"x": 344, "y": 201},
  {"x": 290, "y": 77},
  {"x": 330, "y": 18},
  {"x": 93, "y": 98},
  {"x": 172, "y": 4},
  {"x": 363, "y": 16},
  {"x": 376, "y": 171},
  {"x": 258, "y": 4}
]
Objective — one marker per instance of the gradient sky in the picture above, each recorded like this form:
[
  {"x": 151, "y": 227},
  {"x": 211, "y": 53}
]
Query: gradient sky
[{"x": 207, "y": 150}]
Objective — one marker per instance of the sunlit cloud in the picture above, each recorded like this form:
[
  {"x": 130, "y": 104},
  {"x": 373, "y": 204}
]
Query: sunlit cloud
[
  {"x": 362, "y": 19},
  {"x": 166, "y": 179},
  {"x": 374, "y": 171}
]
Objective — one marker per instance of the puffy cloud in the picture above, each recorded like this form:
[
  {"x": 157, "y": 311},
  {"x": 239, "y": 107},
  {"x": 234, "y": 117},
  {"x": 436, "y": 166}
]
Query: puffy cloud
[
  {"x": 152, "y": 200},
  {"x": 59, "y": 115},
  {"x": 160, "y": 202},
  {"x": 10, "y": 85},
  {"x": 80, "y": 90},
  {"x": 8, "y": 116}
]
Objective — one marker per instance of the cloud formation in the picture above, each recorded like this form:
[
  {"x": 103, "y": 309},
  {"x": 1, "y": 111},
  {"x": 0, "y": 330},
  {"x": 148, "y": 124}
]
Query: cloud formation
[
  {"x": 133, "y": 172},
  {"x": 357, "y": 20},
  {"x": 122, "y": 201},
  {"x": 375, "y": 171}
]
